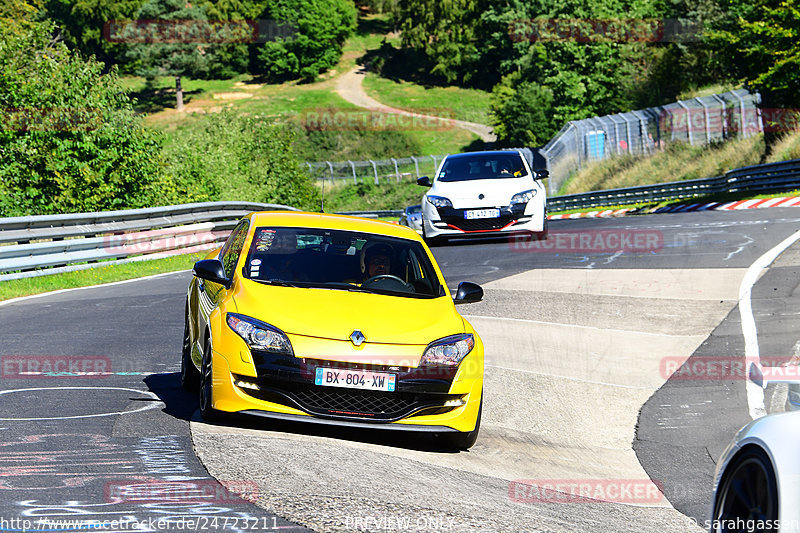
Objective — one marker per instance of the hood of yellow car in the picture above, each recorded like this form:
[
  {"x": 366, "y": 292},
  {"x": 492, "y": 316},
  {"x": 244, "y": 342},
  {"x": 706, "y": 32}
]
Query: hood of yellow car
[{"x": 335, "y": 314}]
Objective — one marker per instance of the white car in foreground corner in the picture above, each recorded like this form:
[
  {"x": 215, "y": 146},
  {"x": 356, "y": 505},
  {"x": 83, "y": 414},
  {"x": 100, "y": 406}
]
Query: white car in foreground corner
[
  {"x": 483, "y": 193},
  {"x": 757, "y": 481}
]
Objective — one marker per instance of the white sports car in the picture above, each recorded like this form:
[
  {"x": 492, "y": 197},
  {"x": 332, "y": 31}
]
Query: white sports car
[
  {"x": 480, "y": 193},
  {"x": 757, "y": 482}
]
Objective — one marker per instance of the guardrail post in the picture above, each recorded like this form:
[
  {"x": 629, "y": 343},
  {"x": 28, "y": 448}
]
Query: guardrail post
[
  {"x": 742, "y": 113},
  {"x": 375, "y": 170},
  {"x": 723, "y": 117},
  {"x": 688, "y": 121},
  {"x": 330, "y": 167},
  {"x": 396, "y": 171},
  {"x": 416, "y": 165},
  {"x": 578, "y": 139},
  {"x": 353, "y": 168},
  {"x": 708, "y": 122},
  {"x": 435, "y": 164}
]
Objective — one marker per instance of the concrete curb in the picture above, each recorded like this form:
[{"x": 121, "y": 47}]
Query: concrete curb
[{"x": 758, "y": 203}]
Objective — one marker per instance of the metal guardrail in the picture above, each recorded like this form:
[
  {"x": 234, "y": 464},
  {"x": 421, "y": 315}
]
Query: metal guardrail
[
  {"x": 374, "y": 214},
  {"x": 771, "y": 177},
  {"x": 701, "y": 120},
  {"x": 40, "y": 245}
]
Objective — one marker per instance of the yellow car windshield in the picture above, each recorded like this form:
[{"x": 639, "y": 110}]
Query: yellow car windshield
[{"x": 338, "y": 259}]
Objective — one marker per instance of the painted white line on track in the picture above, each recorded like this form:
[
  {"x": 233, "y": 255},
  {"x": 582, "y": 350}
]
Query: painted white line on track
[
  {"x": 755, "y": 392},
  {"x": 569, "y": 378},
  {"x": 51, "y": 293},
  {"x": 527, "y": 321},
  {"x": 151, "y": 405}
]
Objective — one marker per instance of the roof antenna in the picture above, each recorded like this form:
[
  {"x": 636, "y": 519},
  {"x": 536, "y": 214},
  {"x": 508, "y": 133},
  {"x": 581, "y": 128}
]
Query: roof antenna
[{"x": 322, "y": 200}]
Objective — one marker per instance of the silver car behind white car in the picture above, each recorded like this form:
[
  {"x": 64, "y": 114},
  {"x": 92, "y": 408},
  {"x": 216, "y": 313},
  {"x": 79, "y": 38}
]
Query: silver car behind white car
[{"x": 412, "y": 217}]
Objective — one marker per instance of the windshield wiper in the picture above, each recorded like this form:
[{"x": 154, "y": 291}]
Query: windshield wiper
[
  {"x": 342, "y": 286},
  {"x": 278, "y": 282}
]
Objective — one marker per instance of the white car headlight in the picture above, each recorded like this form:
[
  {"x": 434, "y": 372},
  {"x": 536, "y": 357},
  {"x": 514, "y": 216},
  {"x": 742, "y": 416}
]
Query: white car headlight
[
  {"x": 259, "y": 335},
  {"x": 523, "y": 197},
  {"x": 439, "y": 201},
  {"x": 448, "y": 351}
]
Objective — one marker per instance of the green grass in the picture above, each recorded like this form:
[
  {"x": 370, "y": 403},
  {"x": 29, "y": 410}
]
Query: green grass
[
  {"x": 707, "y": 90},
  {"x": 291, "y": 101},
  {"x": 370, "y": 197},
  {"x": 786, "y": 148},
  {"x": 453, "y": 102},
  {"x": 96, "y": 276},
  {"x": 679, "y": 161}
]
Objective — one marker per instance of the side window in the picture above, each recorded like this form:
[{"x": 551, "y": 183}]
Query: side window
[{"x": 233, "y": 248}]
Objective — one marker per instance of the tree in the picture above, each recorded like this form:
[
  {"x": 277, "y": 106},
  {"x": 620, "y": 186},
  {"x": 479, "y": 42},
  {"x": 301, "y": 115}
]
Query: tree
[
  {"x": 175, "y": 38},
  {"x": 81, "y": 23},
  {"x": 522, "y": 113},
  {"x": 763, "y": 49},
  {"x": 319, "y": 29},
  {"x": 17, "y": 16},
  {"x": 69, "y": 138},
  {"x": 445, "y": 34}
]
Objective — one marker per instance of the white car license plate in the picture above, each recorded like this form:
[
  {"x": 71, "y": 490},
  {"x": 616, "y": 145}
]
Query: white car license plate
[
  {"x": 481, "y": 213},
  {"x": 355, "y": 379}
]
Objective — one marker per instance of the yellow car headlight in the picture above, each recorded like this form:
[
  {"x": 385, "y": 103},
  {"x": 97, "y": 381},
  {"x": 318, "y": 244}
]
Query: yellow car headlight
[
  {"x": 259, "y": 335},
  {"x": 448, "y": 351}
]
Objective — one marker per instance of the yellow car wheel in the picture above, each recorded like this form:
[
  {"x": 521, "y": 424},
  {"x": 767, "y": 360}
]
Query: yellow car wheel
[{"x": 206, "y": 387}]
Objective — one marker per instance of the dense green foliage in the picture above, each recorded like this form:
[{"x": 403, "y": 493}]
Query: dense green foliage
[
  {"x": 366, "y": 196},
  {"x": 320, "y": 28},
  {"x": 763, "y": 48},
  {"x": 69, "y": 139},
  {"x": 355, "y": 143},
  {"x": 568, "y": 78},
  {"x": 211, "y": 51},
  {"x": 224, "y": 156},
  {"x": 523, "y": 113},
  {"x": 18, "y": 16}
]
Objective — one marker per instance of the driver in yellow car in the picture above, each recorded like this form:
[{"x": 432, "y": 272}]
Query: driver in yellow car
[{"x": 377, "y": 261}]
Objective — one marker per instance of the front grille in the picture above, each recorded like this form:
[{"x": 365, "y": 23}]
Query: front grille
[
  {"x": 479, "y": 224},
  {"x": 379, "y": 404},
  {"x": 330, "y": 402}
]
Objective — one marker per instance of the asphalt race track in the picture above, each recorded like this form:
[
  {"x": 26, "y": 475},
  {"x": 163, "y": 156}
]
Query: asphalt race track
[{"x": 590, "y": 422}]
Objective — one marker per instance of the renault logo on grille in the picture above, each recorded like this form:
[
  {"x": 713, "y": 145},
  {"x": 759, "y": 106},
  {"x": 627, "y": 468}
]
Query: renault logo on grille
[{"x": 357, "y": 338}]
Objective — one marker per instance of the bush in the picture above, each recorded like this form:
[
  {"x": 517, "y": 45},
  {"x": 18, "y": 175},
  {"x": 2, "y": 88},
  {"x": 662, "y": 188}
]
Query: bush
[
  {"x": 522, "y": 113},
  {"x": 320, "y": 29},
  {"x": 69, "y": 138},
  {"x": 223, "y": 156}
]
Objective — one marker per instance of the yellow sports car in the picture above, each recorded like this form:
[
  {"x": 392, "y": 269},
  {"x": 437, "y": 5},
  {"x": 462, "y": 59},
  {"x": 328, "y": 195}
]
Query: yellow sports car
[{"x": 335, "y": 320}]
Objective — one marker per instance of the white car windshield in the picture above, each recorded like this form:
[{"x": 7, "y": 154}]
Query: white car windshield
[{"x": 467, "y": 167}]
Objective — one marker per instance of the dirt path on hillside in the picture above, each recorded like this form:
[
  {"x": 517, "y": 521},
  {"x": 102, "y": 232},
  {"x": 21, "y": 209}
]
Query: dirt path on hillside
[{"x": 350, "y": 87}]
